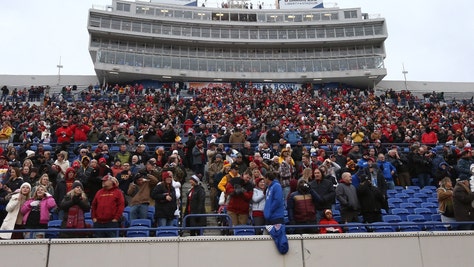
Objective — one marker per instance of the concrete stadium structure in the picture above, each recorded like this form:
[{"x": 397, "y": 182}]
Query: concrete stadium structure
[{"x": 132, "y": 41}]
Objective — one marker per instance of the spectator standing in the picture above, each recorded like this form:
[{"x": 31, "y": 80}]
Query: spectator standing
[
  {"x": 371, "y": 199},
  {"x": 445, "y": 200},
  {"x": 462, "y": 200},
  {"x": 107, "y": 207},
  {"x": 74, "y": 205},
  {"x": 240, "y": 191},
  {"x": 302, "y": 207},
  {"x": 14, "y": 218},
  {"x": 325, "y": 189},
  {"x": 258, "y": 204},
  {"x": 36, "y": 211},
  {"x": 195, "y": 205},
  {"x": 165, "y": 198},
  {"x": 140, "y": 191},
  {"x": 388, "y": 170},
  {"x": 346, "y": 193}
]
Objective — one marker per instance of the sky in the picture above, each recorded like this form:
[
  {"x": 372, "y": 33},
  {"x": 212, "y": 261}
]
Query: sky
[{"x": 432, "y": 39}]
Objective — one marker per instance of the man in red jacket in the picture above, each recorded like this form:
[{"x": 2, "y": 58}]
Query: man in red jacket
[
  {"x": 107, "y": 207},
  {"x": 240, "y": 191}
]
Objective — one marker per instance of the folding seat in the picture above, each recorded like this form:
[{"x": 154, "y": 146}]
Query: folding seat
[
  {"x": 402, "y": 196},
  {"x": 392, "y": 219},
  {"x": 395, "y": 201},
  {"x": 409, "y": 206},
  {"x": 409, "y": 227},
  {"x": 414, "y": 188},
  {"x": 436, "y": 217},
  {"x": 140, "y": 222},
  {"x": 53, "y": 224},
  {"x": 436, "y": 226},
  {"x": 417, "y": 201},
  {"x": 381, "y": 227},
  {"x": 355, "y": 228},
  {"x": 430, "y": 187},
  {"x": 399, "y": 188},
  {"x": 410, "y": 192},
  {"x": 391, "y": 193},
  {"x": 244, "y": 230},
  {"x": 423, "y": 196},
  {"x": 416, "y": 218},
  {"x": 425, "y": 212},
  {"x": 427, "y": 191},
  {"x": 138, "y": 231},
  {"x": 432, "y": 200},
  {"x": 403, "y": 213},
  {"x": 167, "y": 231},
  {"x": 432, "y": 206}
]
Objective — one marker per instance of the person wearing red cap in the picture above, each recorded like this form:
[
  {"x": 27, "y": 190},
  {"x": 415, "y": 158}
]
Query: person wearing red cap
[
  {"x": 107, "y": 207},
  {"x": 165, "y": 198}
]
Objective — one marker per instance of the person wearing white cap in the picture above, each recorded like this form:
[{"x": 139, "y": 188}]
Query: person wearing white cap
[
  {"x": 14, "y": 218},
  {"x": 195, "y": 204}
]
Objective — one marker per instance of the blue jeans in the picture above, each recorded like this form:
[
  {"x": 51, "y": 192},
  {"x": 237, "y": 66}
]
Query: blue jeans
[
  {"x": 424, "y": 179},
  {"x": 139, "y": 211},
  {"x": 164, "y": 222},
  {"x": 108, "y": 233},
  {"x": 390, "y": 184}
]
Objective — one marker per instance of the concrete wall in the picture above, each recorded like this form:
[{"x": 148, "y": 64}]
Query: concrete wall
[{"x": 372, "y": 249}]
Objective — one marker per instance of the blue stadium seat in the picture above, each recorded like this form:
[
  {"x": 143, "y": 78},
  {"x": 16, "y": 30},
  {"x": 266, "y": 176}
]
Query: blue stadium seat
[
  {"x": 355, "y": 228},
  {"x": 53, "y": 224},
  {"x": 432, "y": 206},
  {"x": 138, "y": 231},
  {"x": 415, "y": 200},
  {"x": 399, "y": 188},
  {"x": 391, "y": 193},
  {"x": 432, "y": 200},
  {"x": 436, "y": 226},
  {"x": 427, "y": 191},
  {"x": 87, "y": 215},
  {"x": 376, "y": 227},
  {"x": 336, "y": 212},
  {"x": 425, "y": 212},
  {"x": 414, "y": 188},
  {"x": 430, "y": 187},
  {"x": 416, "y": 218},
  {"x": 402, "y": 196},
  {"x": 141, "y": 222},
  {"x": 395, "y": 201},
  {"x": 391, "y": 218},
  {"x": 409, "y": 227},
  {"x": 409, "y": 192},
  {"x": 423, "y": 196},
  {"x": 167, "y": 231},
  {"x": 403, "y": 213},
  {"x": 244, "y": 230},
  {"x": 436, "y": 217},
  {"x": 409, "y": 206}
]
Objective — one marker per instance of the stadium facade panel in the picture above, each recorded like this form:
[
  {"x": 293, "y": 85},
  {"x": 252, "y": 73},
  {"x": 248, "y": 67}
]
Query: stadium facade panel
[{"x": 131, "y": 41}]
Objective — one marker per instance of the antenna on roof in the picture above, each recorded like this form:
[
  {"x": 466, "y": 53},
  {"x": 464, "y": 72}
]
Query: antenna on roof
[
  {"x": 405, "y": 75},
  {"x": 59, "y": 66}
]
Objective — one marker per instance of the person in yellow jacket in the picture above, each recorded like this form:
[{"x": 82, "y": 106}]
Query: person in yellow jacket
[
  {"x": 233, "y": 172},
  {"x": 6, "y": 132}
]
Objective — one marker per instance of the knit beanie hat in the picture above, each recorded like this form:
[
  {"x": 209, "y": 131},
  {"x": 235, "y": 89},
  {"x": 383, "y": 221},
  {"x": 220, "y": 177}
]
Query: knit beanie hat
[{"x": 77, "y": 183}]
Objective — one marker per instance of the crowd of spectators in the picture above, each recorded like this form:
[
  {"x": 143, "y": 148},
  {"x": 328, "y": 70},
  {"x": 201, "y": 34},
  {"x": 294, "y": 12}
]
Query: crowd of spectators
[{"x": 142, "y": 130}]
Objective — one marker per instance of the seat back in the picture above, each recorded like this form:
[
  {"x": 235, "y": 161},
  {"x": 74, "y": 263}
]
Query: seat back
[
  {"x": 141, "y": 222},
  {"x": 244, "y": 230},
  {"x": 167, "y": 231},
  {"x": 403, "y": 213},
  {"x": 138, "y": 231},
  {"x": 355, "y": 228},
  {"x": 53, "y": 224}
]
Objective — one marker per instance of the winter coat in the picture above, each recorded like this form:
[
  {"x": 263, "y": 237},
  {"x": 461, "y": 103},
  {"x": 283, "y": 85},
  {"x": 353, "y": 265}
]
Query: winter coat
[
  {"x": 258, "y": 202},
  {"x": 240, "y": 195},
  {"x": 325, "y": 190},
  {"x": 163, "y": 207},
  {"x": 347, "y": 196},
  {"x": 462, "y": 200},
  {"x": 68, "y": 201},
  {"x": 46, "y": 204},
  {"x": 13, "y": 208},
  {"x": 274, "y": 210},
  {"x": 195, "y": 205},
  {"x": 108, "y": 205}
]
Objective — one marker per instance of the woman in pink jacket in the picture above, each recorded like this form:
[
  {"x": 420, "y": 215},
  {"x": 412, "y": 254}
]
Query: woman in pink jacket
[{"x": 36, "y": 211}]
